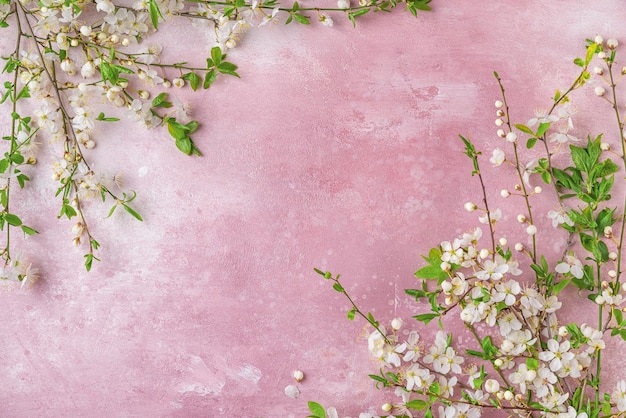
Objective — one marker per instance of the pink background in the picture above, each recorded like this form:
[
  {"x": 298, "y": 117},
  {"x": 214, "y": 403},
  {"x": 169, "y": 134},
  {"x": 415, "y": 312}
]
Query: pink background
[{"x": 337, "y": 149}]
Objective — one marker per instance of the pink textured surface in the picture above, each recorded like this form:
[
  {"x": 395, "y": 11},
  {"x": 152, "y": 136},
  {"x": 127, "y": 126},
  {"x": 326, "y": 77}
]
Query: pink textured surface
[{"x": 337, "y": 149}]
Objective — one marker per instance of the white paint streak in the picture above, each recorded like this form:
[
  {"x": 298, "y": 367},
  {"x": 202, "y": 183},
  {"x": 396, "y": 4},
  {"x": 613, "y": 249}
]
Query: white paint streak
[
  {"x": 143, "y": 171},
  {"x": 249, "y": 372},
  {"x": 201, "y": 379}
]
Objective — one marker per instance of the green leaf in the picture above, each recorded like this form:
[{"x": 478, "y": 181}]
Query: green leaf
[
  {"x": 525, "y": 129},
  {"x": 103, "y": 118},
  {"x": 531, "y": 142},
  {"x": 17, "y": 158},
  {"x": 108, "y": 72},
  {"x": 317, "y": 410},
  {"x": 192, "y": 126},
  {"x": 209, "y": 78},
  {"x": 12, "y": 219},
  {"x": 532, "y": 363},
  {"x": 591, "y": 50},
  {"x": 587, "y": 242},
  {"x": 418, "y": 404},
  {"x": 560, "y": 286},
  {"x": 177, "y": 130},
  {"x": 194, "y": 80},
  {"x": 155, "y": 13},
  {"x": 579, "y": 156},
  {"x": 619, "y": 317},
  {"x": 184, "y": 145},
  {"x": 338, "y": 287},
  {"x": 160, "y": 101},
  {"x": 228, "y": 68},
  {"x": 602, "y": 252},
  {"x": 216, "y": 55},
  {"x": 543, "y": 127},
  {"x": 302, "y": 19},
  {"x": 27, "y": 230},
  {"x": 23, "y": 94},
  {"x": 351, "y": 314},
  {"x": 132, "y": 212},
  {"x": 426, "y": 318}
]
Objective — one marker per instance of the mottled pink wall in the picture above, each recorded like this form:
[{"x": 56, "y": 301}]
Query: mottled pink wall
[{"x": 337, "y": 149}]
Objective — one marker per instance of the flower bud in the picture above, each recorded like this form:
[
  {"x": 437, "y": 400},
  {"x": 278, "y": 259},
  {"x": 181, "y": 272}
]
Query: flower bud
[
  {"x": 519, "y": 247},
  {"x": 604, "y": 146},
  {"x": 74, "y": 42},
  {"x": 499, "y": 122},
  {"x": 531, "y": 230},
  {"x": 508, "y": 395},
  {"x": 88, "y": 70},
  {"x": 608, "y": 231},
  {"x": 599, "y": 91},
  {"x": 511, "y": 137},
  {"x": 499, "y": 104},
  {"x": 167, "y": 84},
  {"x": 613, "y": 255},
  {"x": 538, "y": 189},
  {"x": 144, "y": 94},
  {"x": 501, "y": 133},
  {"x": 505, "y": 193},
  {"x": 612, "y": 43},
  {"x": 562, "y": 331},
  {"x": 500, "y": 113},
  {"x": 77, "y": 229},
  {"x": 470, "y": 207},
  {"x": 502, "y": 241},
  {"x": 598, "y": 70},
  {"x": 602, "y": 55},
  {"x": 396, "y": 324},
  {"x": 178, "y": 82},
  {"x": 298, "y": 375},
  {"x": 125, "y": 41},
  {"x": 498, "y": 362},
  {"x": 612, "y": 274},
  {"x": 85, "y": 30},
  {"x": 387, "y": 407},
  {"x": 62, "y": 41},
  {"x": 484, "y": 253},
  {"x": 599, "y": 39},
  {"x": 68, "y": 66},
  {"x": 521, "y": 218},
  {"x": 600, "y": 300}
]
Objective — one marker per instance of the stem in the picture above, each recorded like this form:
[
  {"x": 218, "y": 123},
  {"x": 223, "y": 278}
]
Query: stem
[
  {"x": 517, "y": 167},
  {"x": 598, "y": 362},
  {"x": 358, "y": 311},
  {"x": 6, "y": 254}
]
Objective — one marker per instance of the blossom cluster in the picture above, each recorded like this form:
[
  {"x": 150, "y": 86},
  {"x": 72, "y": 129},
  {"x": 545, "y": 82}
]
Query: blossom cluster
[
  {"x": 79, "y": 66},
  {"x": 522, "y": 358}
]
